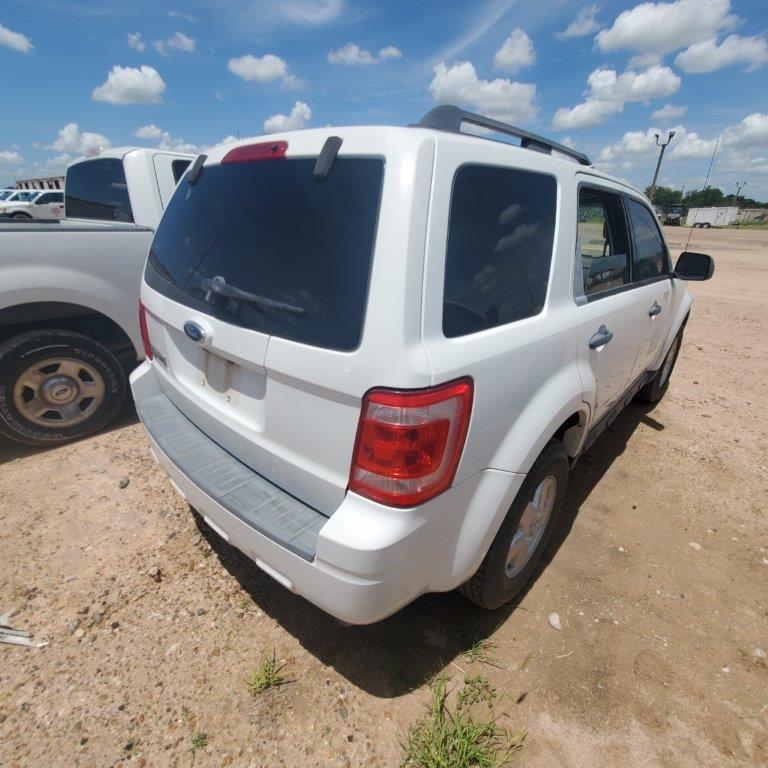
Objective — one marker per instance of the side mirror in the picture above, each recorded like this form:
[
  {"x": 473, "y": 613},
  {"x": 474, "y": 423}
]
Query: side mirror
[{"x": 694, "y": 266}]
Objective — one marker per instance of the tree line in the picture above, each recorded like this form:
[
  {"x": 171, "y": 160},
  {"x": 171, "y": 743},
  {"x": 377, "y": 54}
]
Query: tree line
[{"x": 701, "y": 198}]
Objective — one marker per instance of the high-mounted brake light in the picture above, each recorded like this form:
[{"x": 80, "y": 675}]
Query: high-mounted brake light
[
  {"x": 144, "y": 331},
  {"x": 267, "y": 150},
  {"x": 409, "y": 442}
]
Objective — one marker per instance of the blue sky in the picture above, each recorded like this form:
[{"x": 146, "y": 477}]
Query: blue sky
[{"x": 602, "y": 76}]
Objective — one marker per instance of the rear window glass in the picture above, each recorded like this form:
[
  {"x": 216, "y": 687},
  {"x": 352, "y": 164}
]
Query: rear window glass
[
  {"x": 500, "y": 236},
  {"x": 265, "y": 246},
  {"x": 96, "y": 189}
]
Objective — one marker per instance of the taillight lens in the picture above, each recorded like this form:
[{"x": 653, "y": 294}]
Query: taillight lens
[
  {"x": 267, "y": 150},
  {"x": 144, "y": 331},
  {"x": 409, "y": 443}
]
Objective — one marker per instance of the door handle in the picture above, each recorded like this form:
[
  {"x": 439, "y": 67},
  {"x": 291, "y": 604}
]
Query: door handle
[
  {"x": 655, "y": 309},
  {"x": 603, "y": 336}
]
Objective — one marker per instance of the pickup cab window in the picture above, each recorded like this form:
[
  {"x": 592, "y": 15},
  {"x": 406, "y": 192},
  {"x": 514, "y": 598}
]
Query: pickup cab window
[
  {"x": 602, "y": 241},
  {"x": 97, "y": 189}
]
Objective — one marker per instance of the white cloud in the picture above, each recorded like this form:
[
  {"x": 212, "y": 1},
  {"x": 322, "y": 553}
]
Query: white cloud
[
  {"x": 71, "y": 141},
  {"x": 166, "y": 141},
  {"x": 150, "y": 131},
  {"x": 180, "y": 15},
  {"x": 353, "y": 56},
  {"x": 639, "y": 145},
  {"x": 10, "y": 157},
  {"x": 501, "y": 98},
  {"x": 309, "y": 12},
  {"x": 15, "y": 40},
  {"x": 609, "y": 91},
  {"x": 585, "y": 115},
  {"x": 390, "y": 52},
  {"x": 178, "y": 41},
  {"x": 707, "y": 56},
  {"x": 690, "y": 145},
  {"x": 750, "y": 133},
  {"x": 515, "y": 53},
  {"x": 583, "y": 24},
  {"x": 299, "y": 117},
  {"x": 663, "y": 27},
  {"x": 263, "y": 69},
  {"x": 669, "y": 112},
  {"x": 131, "y": 85},
  {"x": 134, "y": 41}
]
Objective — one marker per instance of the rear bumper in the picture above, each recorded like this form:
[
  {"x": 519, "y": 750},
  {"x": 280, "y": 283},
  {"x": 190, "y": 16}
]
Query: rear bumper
[{"x": 368, "y": 560}]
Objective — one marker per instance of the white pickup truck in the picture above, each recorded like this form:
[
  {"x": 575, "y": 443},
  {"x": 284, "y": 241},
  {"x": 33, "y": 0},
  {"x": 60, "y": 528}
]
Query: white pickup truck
[
  {"x": 40, "y": 204},
  {"x": 68, "y": 294}
]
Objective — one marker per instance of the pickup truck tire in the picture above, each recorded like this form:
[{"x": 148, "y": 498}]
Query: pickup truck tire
[
  {"x": 654, "y": 390},
  {"x": 20, "y": 215},
  {"x": 57, "y": 386},
  {"x": 515, "y": 552}
]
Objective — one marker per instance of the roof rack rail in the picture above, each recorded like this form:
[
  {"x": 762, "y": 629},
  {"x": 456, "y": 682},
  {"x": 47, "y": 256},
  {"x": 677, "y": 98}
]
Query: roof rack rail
[{"x": 446, "y": 117}]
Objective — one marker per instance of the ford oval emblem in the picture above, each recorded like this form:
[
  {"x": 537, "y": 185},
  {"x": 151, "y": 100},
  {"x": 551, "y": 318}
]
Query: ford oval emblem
[{"x": 194, "y": 331}]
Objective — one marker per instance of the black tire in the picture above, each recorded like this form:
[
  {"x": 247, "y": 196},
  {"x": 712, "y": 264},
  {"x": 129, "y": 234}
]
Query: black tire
[
  {"x": 491, "y": 587},
  {"x": 20, "y": 352},
  {"x": 706, "y": 225},
  {"x": 20, "y": 215},
  {"x": 654, "y": 390}
]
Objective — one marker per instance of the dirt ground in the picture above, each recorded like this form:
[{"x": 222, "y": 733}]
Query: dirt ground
[{"x": 661, "y": 584}]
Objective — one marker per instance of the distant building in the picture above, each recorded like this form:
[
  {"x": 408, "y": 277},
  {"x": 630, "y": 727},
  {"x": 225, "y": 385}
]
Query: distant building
[{"x": 48, "y": 182}]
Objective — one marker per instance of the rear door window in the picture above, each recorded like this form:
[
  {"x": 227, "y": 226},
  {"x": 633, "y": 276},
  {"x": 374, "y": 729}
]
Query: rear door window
[
  {"x": 265, "y": 246},
  {"x": 500, "y": 236},
  {"x": 650, "y": 259},
  {"x": 602, "y": 241},
  {"x": 97, "y": 189}
]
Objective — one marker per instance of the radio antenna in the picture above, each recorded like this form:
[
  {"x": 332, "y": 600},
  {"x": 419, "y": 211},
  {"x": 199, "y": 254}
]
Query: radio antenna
[{"x": 706, "y": 182}]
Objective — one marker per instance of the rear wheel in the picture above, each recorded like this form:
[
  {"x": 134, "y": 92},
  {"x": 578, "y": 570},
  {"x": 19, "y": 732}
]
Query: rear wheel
[
  {"x": 654, "y": 390},
  {"x": 525, "y": 532},
  {"x": 20, "y": 215},
  {"x": 56, "y": 386}
]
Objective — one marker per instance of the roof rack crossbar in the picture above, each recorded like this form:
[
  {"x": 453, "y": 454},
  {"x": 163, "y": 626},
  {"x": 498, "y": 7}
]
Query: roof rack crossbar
[{"x": 446, "y": 117}]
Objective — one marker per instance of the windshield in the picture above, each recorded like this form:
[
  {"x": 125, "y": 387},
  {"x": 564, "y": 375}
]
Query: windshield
[
  {"x": 265, "y": 246},
  {"x": 5, "y": 193}
]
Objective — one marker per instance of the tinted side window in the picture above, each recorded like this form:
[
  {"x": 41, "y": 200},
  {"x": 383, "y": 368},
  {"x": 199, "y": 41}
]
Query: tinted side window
[
  {"x": 178, "y": 167},
  {"x": 603, "y": 242},
  {"x": 650, "y": 252},
  {"x": 96, "y": 189},
  {"x": 500, "y": 236},
  {"x": 44, "y": 198}
]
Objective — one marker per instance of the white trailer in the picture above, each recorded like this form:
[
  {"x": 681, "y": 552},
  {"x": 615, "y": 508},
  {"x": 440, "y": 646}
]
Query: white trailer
[{"x": 711, "y": 217}]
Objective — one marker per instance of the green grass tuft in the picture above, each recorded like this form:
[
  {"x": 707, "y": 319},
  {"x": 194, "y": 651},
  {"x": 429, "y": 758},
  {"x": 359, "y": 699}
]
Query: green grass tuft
[
  {"x": 266, "y": 676},
  {"x": 451, "y": 737},
  {"x": 199, "y": 740}
]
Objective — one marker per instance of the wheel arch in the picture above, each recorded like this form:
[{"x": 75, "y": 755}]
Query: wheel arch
[{"x": 68, "y": 316}]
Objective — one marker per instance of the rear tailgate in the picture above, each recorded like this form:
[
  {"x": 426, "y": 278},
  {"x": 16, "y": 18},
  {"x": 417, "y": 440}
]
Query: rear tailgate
[{"x": 272, "y": 268}]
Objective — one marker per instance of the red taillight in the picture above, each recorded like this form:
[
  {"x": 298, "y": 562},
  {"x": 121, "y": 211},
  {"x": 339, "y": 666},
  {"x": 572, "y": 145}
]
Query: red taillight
[
  {"x": 144, "y": 331},
  {"x": 268, "y": 150},
  {"x": 409, "y": 443}
]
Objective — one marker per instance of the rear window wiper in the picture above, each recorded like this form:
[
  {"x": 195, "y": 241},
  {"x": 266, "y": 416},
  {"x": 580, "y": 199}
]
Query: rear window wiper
[{"x": 218, "y": 287}]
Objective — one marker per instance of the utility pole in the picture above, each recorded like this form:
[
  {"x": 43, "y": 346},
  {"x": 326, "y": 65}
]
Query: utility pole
[
  {"x": 658, "y": 164},
  {"x": 739, "y": 186}
]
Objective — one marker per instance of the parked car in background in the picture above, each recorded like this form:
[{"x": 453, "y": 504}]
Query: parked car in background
[
  {"x": 42, "y": 205},
  {"x": 673, "y": 215},
  {"x": 373, "y": 354},
  {"x": 18, "y": 199},
  {"x": 68, "y": 291}
]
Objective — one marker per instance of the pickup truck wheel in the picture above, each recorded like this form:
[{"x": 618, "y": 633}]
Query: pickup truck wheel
[
  {"x": 56, "y": 386},
  {"x": 525, "y": 532},
  {"x": 654, "y": 390},
  {"x": 20, "y": 215}
]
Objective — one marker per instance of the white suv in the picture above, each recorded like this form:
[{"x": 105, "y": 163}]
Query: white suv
[{"x": 374, "y": 353}]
